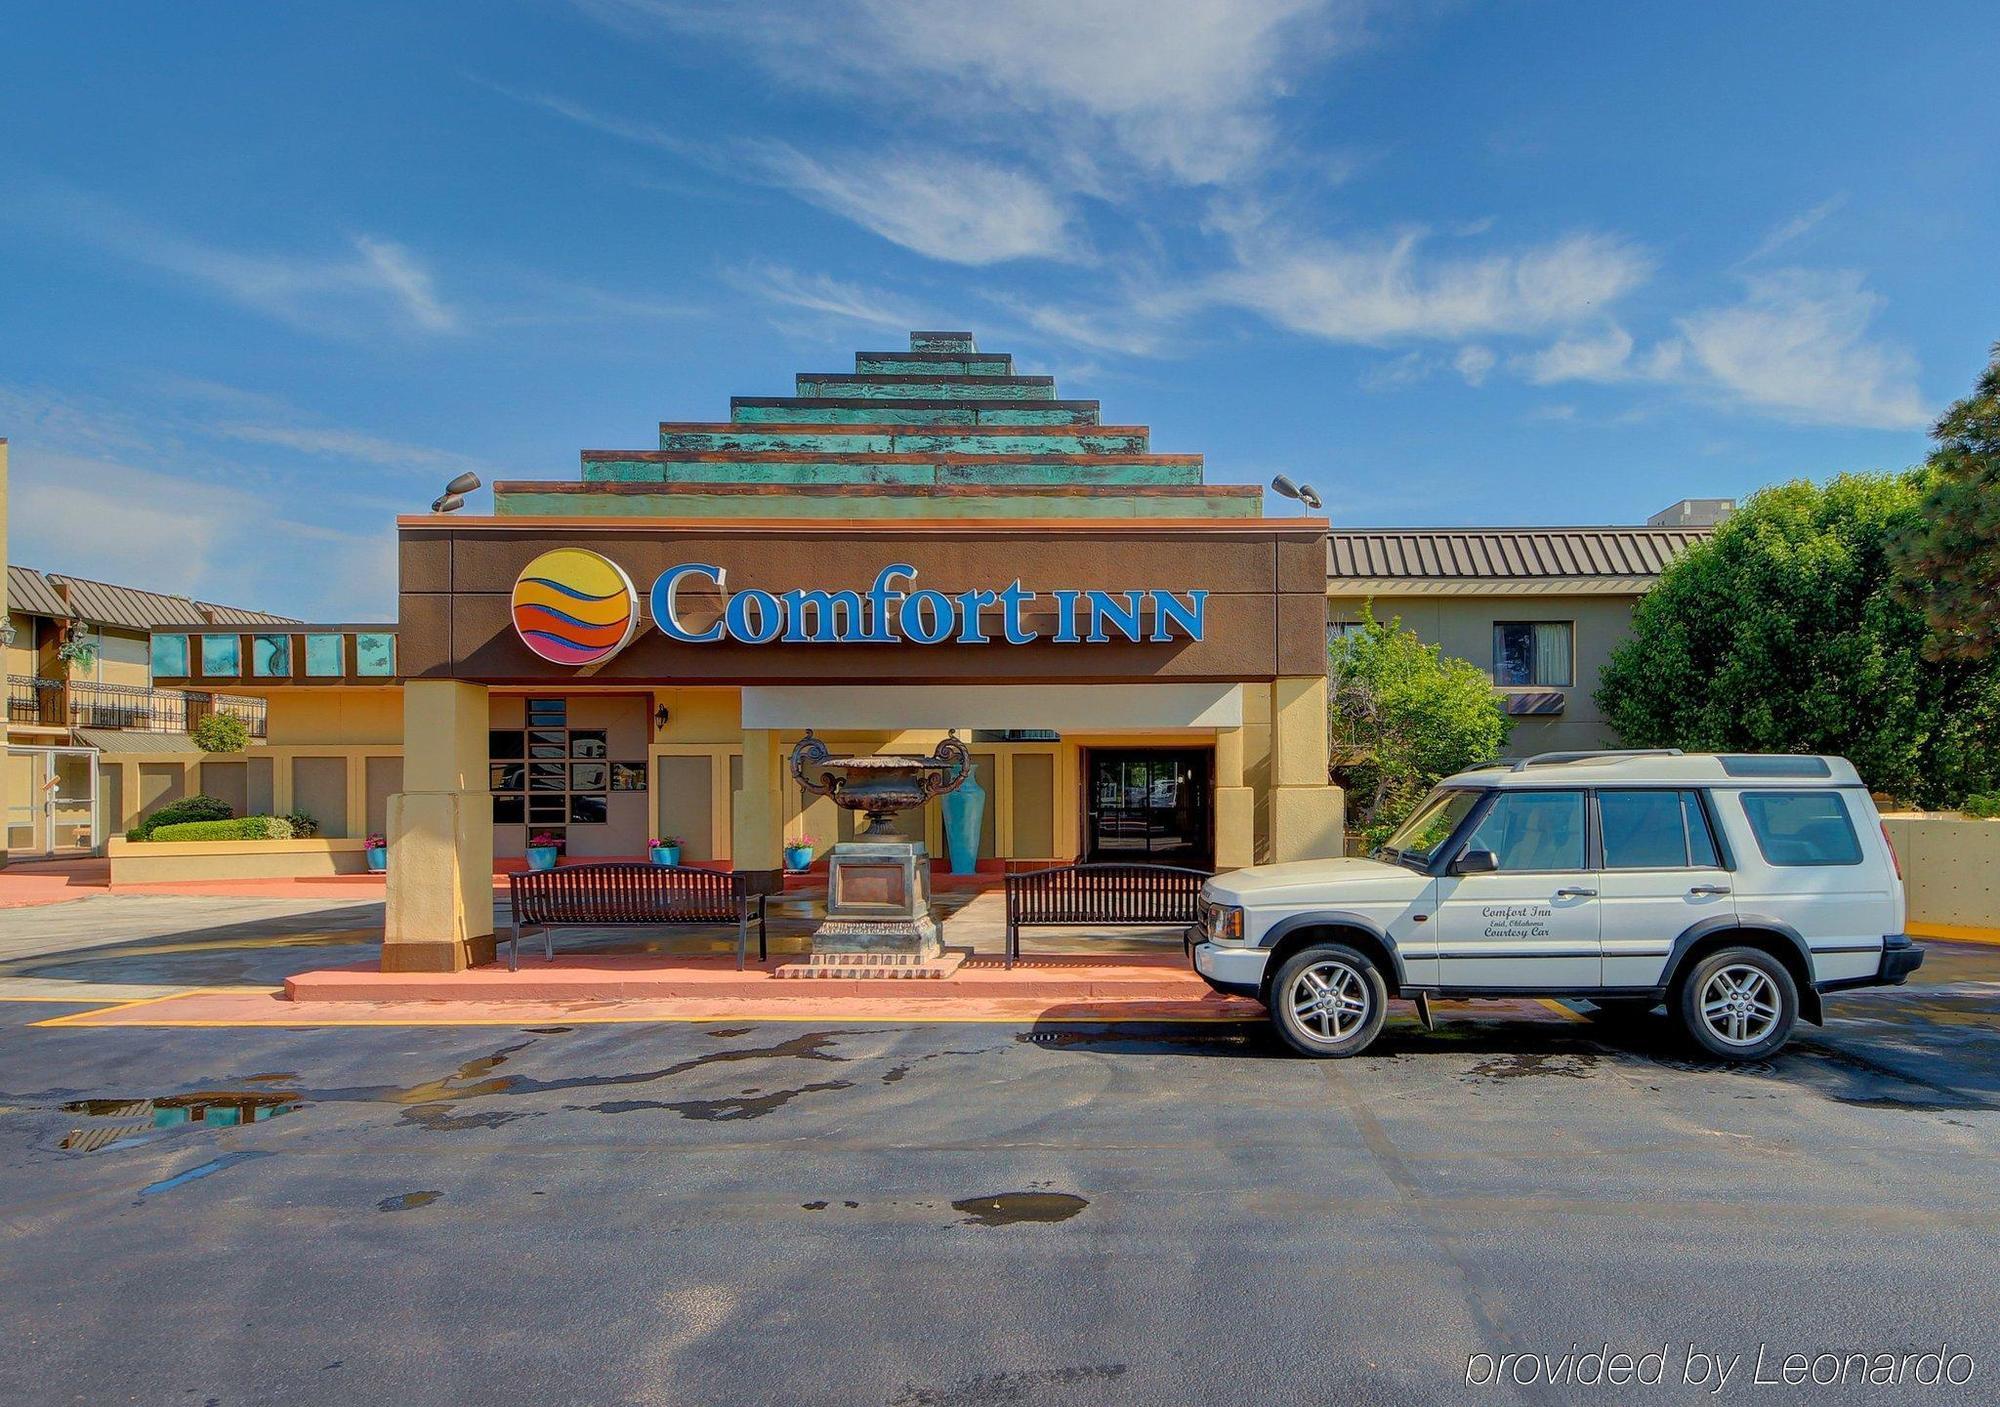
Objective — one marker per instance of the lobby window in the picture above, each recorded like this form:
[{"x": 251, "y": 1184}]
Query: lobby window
[
  {"x": 548, "y": 775},
  {"x": 1533, "y": 653},
  {"x": 170, "y": 656},
  {"x": 271, "y": 656},
  {"x": 374, "y": 654},
  {"x": 326, "y": 656},
  {"x": 221, "y": 656}
]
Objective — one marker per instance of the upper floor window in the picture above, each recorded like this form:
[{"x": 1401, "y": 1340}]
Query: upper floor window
[
  {"x": 1538, "y": 652},
  {"x": 170, "y": 656},
  {"x": 221, "y": 656}
]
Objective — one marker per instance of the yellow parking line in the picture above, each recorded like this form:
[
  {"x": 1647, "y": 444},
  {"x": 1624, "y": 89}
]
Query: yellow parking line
[
  {"x": 1561, "y": 1010},
  {"x": 1954, "y": 933},
  {"x": 71, "y": 1017}
]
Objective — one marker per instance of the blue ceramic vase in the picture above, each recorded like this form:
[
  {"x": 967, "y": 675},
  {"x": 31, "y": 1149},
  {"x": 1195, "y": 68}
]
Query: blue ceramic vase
[{"x": 964, "y": 813}]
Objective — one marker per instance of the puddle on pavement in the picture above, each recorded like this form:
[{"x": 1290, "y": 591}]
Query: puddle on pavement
[
  {"x": 1225, "y": 1041},
  {"x": 1012, "y": 1208},
  {"x": 201, "y": 1170},
  {"x": 409, "y": 1201},
  {"x": 1527, "y": 1065},
  {"x": 751, "y": 1104},
  {"x": 127, "y": 1119}
]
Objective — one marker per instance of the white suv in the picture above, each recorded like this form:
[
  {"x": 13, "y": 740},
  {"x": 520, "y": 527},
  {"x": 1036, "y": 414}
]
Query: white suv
[{"x": 1734, "y": 888}]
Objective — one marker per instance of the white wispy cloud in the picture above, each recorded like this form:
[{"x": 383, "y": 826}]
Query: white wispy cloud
[
  {"x": 954, "y": 208},
  {"x": 832, "y": 298},
  {"x": 1795, "y": 228},
  {"x": 1474, "y": 363},
  {"x": 351, "y": 445},
  {"x": 360, "y": 283},
  {"x": 1796, "y": 346},
  {"x": 1380, "y": 292},
  {"x": 1183, "y": 90}
]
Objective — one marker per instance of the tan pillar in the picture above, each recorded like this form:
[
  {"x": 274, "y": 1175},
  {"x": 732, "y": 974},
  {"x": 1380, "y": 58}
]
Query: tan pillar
[
  {"x": 5, "y": 809},
  {"x": 1235, "y": 804},
  {"x": 440, "y": 902},
  {"x": 1307, "y": 813},
  {"x": 758, "y": 841}
]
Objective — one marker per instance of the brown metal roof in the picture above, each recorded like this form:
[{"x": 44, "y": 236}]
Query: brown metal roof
[
  {"x": 1503, "y": 554},
  {"x": 101, "y": 603}
]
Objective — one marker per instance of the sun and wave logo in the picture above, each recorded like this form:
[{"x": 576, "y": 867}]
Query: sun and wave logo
[{"x": 574, "y": 607}]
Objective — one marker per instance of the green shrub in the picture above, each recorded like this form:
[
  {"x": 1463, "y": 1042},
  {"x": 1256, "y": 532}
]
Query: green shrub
[
  {"x": 219, "y": 732},
  {"x": 189, "y": 808},
  {"x": 1983, "y": 806},
  {"x": 304, "y": 824},
  {"x": 241, "y": 828}
]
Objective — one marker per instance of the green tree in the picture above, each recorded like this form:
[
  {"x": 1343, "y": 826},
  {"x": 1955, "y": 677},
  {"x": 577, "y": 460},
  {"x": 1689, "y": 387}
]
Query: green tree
[
  {"x": 219, "y": 732},
  {"x": 1400, "y": 716},
  {"x": 1785, "y": 632},
  {"x": 1948, "y": 557}
]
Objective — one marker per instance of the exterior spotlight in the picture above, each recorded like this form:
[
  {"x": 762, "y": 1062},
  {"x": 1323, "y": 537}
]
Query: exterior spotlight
[
  {"x": 1302, "y": 492},
  {"x": 453, "y": 497}
]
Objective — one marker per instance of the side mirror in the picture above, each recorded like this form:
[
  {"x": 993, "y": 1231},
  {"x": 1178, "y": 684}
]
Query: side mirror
[{"x": 1475, "y": 862}]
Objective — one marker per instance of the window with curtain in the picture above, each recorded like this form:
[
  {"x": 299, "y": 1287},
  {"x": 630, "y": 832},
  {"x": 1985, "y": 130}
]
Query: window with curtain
[{"x": 1533, "y": 653}]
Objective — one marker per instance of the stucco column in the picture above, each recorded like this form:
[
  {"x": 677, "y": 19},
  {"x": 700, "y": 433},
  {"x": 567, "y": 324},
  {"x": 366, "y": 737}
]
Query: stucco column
[
  {"x": 758, "y": 840},
  {"x": 440, "y": 902},
  {"x": 1306, "y": 812},
  {"x": 5, "y": 809},
  {"x": 1235, "y": 804}
]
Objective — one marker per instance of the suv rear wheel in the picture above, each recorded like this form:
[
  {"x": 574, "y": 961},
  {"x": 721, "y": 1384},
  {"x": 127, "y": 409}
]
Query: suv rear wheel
[
  {"x": 1738, "y": 1003},
  {"x": 1329, "y": 1000}
]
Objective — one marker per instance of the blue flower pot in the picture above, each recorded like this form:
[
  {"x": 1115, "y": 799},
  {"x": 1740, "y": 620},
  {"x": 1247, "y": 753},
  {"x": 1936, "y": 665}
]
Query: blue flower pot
[
  {"x": 964, "y": 811},
  {"x": 797, "y": 857},
  {"x": 541, "y": 857},
  {"x": 378, "y": 858},
  {"x": 666, "y": 854}
]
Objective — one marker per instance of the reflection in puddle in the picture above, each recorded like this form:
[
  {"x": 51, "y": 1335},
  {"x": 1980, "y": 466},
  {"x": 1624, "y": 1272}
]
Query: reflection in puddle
[
  {"x": 1008, "y": 1208},
  {"x": 210, "y": 1108},
  {"x": 409, "y": 1201}
]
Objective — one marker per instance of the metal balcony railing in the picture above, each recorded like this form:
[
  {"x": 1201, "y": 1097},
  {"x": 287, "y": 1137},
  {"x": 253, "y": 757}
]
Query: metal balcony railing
[
  {"x": 135, "y": 708},
  {"x": 34, "y": 702}
]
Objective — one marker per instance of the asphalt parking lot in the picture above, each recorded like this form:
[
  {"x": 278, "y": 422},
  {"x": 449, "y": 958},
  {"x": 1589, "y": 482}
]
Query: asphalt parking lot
[{"x": 957, "y": 1214}]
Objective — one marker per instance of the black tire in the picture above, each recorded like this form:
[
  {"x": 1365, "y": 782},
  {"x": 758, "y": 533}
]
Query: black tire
[
  {"x": 1615, "y": 1010},
  {"x": 1748, "y": 1029},
  {"x": 1348, "y": 978}
]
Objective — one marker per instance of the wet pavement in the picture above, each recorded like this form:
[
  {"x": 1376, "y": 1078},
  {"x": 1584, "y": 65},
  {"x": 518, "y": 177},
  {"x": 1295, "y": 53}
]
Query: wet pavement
[{"x": 742, "y": 1213}]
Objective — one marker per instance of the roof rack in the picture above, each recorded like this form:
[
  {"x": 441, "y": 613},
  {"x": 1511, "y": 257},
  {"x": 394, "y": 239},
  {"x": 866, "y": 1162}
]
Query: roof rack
[{"x": 1549, "y": 759}]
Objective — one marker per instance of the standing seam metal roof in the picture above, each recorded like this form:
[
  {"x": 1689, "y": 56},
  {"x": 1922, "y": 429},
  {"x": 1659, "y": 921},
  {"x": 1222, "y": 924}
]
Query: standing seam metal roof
[
  {"x": 1501, "y": 554},
  {"x": 102, "y": 603}
]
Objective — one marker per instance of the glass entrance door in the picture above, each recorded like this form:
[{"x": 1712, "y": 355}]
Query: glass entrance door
[
  {"x": 51, "y": 802},
  {"x": 1149, "y": 806}
]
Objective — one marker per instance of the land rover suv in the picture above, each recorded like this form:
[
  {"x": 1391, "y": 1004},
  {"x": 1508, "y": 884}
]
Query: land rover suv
[{"x": 1735, "y": 889}]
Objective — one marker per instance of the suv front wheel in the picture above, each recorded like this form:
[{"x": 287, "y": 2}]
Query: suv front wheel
[
  {"x": 1329, "y": 1000},
  {"x": 1738, "y": 1003}
]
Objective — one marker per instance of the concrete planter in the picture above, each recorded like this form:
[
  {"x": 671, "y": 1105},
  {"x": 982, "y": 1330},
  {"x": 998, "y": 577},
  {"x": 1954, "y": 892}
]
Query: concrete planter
[{"x": 187, "y": 861}]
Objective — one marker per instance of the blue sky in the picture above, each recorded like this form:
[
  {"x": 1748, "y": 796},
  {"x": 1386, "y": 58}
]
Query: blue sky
[{"x": 269, "y": 274}]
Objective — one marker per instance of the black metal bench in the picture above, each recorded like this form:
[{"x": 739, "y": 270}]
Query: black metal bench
[
  {"x": 631, "y": 896},
  {"x": 1103, "y": 896}
]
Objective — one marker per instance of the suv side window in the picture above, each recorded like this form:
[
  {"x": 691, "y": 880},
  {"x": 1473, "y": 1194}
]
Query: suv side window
[
  {"x": 1802, "y": 827},
  {"x": 1534, "y": 830},
  {"x": 1655, "y": 829}
]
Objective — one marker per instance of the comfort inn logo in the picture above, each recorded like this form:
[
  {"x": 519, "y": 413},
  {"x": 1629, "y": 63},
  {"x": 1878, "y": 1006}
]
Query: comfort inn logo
[
  {"x": 574, "y": 607},
  {"x": 577, "y": 608}
]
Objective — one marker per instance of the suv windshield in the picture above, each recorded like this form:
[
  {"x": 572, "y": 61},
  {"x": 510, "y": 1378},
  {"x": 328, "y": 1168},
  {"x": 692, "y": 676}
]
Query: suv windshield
[{"x": 1417, "y": 839}]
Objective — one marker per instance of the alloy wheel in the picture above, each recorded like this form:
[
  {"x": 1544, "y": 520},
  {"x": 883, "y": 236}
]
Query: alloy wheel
[
  {"x": 1330, "y": 1000},
  {"x": 1740, "y": 1004}
]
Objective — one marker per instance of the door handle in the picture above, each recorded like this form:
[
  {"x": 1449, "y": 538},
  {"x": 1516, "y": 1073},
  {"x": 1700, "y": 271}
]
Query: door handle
[
  {"x": 1576, "y": 894},
  {"x": 1709, "y": 889}
]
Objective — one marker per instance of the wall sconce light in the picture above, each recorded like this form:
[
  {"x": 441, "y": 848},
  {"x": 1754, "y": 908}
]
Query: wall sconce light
[{"x": 660, "y": 716}]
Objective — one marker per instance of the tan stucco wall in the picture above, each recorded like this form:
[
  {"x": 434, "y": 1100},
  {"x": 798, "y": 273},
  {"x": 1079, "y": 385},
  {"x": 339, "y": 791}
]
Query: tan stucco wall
[
  {"x": 1951, "y": 869},
  {"x": 1463, "y": 626},
  {"x": 346, "y": 717}
]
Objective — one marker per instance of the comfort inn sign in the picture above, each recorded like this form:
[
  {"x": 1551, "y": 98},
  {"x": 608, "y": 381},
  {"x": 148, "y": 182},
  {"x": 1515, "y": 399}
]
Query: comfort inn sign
[{"x": 589, "y": 612}]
